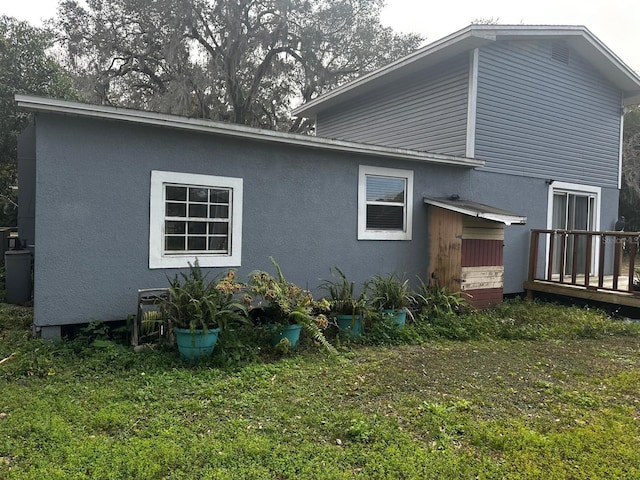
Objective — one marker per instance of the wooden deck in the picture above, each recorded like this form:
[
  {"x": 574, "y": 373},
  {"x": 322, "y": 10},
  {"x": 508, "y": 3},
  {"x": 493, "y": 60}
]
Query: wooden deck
[{"x": 591, "y": 265}]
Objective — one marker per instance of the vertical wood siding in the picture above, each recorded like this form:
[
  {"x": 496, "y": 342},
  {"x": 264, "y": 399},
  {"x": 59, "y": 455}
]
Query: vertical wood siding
[
  {"x": 445, "y": 240},
  {"x": 427, "y": 111},
  {"x": 542, "y": 118}
]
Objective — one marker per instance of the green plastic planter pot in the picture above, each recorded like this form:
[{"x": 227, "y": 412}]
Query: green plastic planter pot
[
  {"x": 195, "y": 345},
  {"x": 398, "y": 316},
  {"x": 349, "y": 325},
  {"x": 290, "y": 332}
]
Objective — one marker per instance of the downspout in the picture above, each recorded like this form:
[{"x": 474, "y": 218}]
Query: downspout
[
  {"x": 472, "y": 101},
  {"x": 623, "y": 111}
]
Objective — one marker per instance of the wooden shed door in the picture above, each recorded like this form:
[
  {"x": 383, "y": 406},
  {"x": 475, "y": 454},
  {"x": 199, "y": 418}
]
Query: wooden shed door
[{"x": 445, "y": 245}]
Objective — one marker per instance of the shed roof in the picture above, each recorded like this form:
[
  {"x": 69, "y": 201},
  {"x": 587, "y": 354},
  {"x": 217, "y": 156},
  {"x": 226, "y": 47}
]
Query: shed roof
[
  {"x": 64, "y": 107},
  {"x": 585, "y": 43},
  {"x": 475, "y": 209}
]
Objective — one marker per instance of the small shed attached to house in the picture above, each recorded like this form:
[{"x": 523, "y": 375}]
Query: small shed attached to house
[{"x": 466, "y": 242}]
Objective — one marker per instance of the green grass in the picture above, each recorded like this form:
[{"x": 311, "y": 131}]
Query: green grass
[{"x": 534, "y": 391}]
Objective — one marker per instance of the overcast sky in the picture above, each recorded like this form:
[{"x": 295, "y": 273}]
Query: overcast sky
[{"x": 614, "y": 22}]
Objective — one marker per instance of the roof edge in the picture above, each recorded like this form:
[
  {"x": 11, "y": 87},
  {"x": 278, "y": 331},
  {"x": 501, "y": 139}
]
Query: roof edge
[
  {"x": 66, "y": 107},
  {"x": 310, "y": 108},
  {"x": 475, "y": 209},
  {"x": 474, "y": 36}
]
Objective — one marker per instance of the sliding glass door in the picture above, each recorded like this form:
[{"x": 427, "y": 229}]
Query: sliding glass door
[{"x": 572, "y": 211}]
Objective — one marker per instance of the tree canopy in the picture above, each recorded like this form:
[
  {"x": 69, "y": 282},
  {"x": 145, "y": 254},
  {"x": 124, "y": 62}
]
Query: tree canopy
[
  {"x": 630, "y": 193},
  {"x": 25, "y": 67},
  {"x": 242, "y": 61}
]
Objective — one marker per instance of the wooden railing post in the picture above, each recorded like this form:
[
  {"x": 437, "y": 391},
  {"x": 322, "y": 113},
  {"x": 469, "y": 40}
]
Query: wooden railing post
[
  {"x": 563, "y": 256},
  {"x": 574, "y": 259},
  {"x": 617, "y": 258},
  {"x": 587, "y": 260},
  {"x": 633, "y": 249},
  {"x": 603, "y": 245},
  {"x": 552, "y": 243},
  {"x": 533, "y": 254}
]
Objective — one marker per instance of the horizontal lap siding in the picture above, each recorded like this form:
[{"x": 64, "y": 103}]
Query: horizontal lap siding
[
  {"x": 483, "y": 297},
  {"x": 427, "y": 111},
  {"x": 542, "y": 118},
  {"x": 482, "y": 261}
]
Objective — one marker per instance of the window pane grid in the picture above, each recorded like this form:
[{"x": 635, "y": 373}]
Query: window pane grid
[
  {"x": 197, "y": 219},
  {"x": 385, "y": 189},
  {"x": 385, "y": 203}
]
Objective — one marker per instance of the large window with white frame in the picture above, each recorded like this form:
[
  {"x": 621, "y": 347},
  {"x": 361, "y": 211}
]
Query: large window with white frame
[
  {"x": 195, "y": 216},
  {"x": 385, "y": 203}
]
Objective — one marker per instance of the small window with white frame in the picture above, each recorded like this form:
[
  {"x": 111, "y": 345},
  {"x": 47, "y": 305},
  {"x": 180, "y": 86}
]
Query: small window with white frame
[
  {"x": 195, "y": 216},
  {"x": 385, "y": 203}
]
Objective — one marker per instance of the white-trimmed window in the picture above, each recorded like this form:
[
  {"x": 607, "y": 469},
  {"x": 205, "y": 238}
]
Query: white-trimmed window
[
  {"x": 385, "y": 203},
  {"x": 195, "y": 216}
]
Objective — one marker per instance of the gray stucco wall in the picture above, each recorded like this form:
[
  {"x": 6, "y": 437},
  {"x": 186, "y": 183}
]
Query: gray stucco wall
[
  {"x": 300, "y": 205},
  {"x": 542, "y": 118},
  {"x": 426, "y": 111}
]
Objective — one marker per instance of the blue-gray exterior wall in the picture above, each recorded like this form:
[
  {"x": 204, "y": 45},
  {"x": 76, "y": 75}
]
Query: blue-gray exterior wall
[
  {"x": 300, "y": 205},
  {"x": 541, "y": 118},
  {"x": 426, "y": 111}
]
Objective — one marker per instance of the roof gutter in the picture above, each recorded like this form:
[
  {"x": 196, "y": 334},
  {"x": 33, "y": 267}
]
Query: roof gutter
[{"x": 40, "y": 104}]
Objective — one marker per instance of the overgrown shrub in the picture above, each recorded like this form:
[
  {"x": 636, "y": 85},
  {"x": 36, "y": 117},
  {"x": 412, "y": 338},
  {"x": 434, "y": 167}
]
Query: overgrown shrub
[{"x": 519, "y": 319}]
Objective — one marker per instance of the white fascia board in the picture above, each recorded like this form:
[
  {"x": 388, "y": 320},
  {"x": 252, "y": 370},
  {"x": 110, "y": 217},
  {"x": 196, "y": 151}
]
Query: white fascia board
[
  {"x": 506, "y": 219},
  {"x": 310, "y": 109},
  {"x": 621, "y": 148},
  {"x": 472, "y": 104},
  {"x": 586, "y": 44},
  {"x": 40, "y": 104},
  {"x": 494, "y": 217}
]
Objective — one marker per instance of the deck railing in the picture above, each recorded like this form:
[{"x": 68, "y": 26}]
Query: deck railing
[{"x": 598, "y": 260}]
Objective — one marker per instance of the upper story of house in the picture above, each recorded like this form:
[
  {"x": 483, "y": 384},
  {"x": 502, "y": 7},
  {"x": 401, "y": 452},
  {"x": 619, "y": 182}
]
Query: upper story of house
[{"x": 536, "y": 101}]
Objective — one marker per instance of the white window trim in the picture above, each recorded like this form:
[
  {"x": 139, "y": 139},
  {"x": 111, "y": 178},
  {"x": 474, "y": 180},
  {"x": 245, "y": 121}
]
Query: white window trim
[
  {"x": 363, "y": 233},
  {"x": 573, "y": 188},
  {"x": 581, "y": 189},
  {"x": 157, "y": 257},
  {"x": 621, "y": 147},
  {"x": 472, "y": 104}
]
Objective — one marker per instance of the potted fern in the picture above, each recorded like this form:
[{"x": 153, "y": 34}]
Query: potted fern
[
  {"x": 198, "y": 310},
  {"x": 288, "y": 308},
  {"x": 391, "y": 295},
  {"x": 346, "y": 307}
]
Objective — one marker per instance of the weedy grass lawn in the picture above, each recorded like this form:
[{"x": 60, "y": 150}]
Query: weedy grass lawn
[{"x": 560, "y": 399}]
